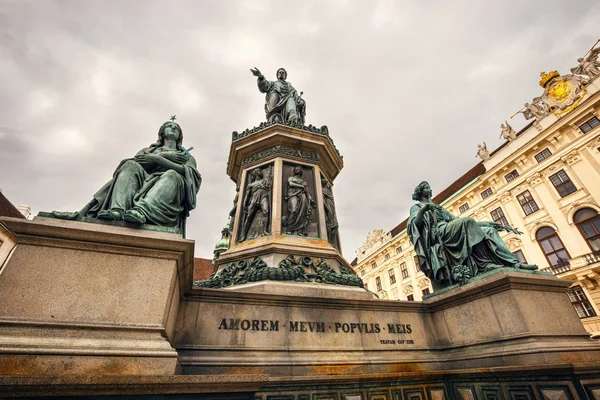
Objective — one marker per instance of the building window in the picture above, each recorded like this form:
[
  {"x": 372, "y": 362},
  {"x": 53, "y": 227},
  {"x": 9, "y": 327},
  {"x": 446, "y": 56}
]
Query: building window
[
  {"x": 527, "y": 203},
  {"x": 386, "y": 257},
  {"x": 404, "y": 270},
  {"x": 588, "y": 222},
  {"x": 392, "y": 276},
  {"x": 373, "y": 265},
  {"x": 416, "y": 260},
  {"x": 542, "y": 155},
  {"x": 486, "y": 193},
  {"x": 520, "y": 256},
  {"x": 378, "y": 283},
  {"x": 463, "y": 208},
  {"x": 498, "y": 216},
  {"x": 589, "y": 125},
  {"x": 398, "y": 249},
  {"x": 410, "y": 297},
  {"x": 562, "y": 183},
  {"x": 511, "y": 175},
  {"x": 580, "y": 302},
  {"x": 552, "y": 246},
  {"x": 425, "y": 291}
]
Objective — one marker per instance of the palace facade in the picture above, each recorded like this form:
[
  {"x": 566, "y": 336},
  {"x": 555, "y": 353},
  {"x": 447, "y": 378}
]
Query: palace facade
[{"x": 545, "y": 180}]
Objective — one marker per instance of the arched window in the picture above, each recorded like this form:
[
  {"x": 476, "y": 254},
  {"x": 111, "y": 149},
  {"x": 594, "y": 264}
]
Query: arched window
[
  {"x": 552, "y": 246},
  {"x": 588, "y": 222}
]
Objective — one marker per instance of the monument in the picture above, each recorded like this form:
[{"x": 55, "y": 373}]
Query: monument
[
  {"x": 102, "y": 302},
  {"x": 452, "y": 250}
]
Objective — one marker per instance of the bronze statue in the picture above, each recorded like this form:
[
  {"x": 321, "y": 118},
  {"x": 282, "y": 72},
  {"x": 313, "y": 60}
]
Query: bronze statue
[
  {"x": 452, "y": 249},
  {"x": 257, "y": 205},
  {"x": 233, "y": 210},
  {"x": 282, "y": 102},
  {"x": 331, "y": 221},
  {"x": 300, "y": 204},
  {"x": 158, "y": 186}
]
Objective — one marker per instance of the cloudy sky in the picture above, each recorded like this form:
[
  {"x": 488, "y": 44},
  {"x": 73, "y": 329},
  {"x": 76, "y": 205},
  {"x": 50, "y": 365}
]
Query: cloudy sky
[{"x": 407, "y": 89}]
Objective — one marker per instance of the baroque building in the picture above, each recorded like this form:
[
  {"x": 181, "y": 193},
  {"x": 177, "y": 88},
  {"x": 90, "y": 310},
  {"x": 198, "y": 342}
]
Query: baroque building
[{"x": 545, "y": 180}]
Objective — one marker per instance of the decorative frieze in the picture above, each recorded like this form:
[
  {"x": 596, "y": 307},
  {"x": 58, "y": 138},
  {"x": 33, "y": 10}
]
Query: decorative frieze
[
  {"x": 297, "y": 269},
  {"x": 280, "y": 151}
]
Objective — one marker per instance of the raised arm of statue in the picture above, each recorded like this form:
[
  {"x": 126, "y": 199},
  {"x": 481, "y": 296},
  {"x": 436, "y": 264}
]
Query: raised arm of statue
[{"x": 263, "y": 84}]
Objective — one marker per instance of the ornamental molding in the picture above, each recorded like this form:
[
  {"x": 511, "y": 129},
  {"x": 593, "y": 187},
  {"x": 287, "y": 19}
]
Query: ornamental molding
[
  {"x": 423, "y": 283},
  {"x": 586, "y": 202},
  {"x": 539, "y": 224},
  {"x": 408, "y": 289},
  {"x": 572, "y": 158},
  {"x": 594, "y": 144},
  {"x": 297, "y": 269},
  {"x": 280, "y": 151},
  {"x": 505, "y": 197},
  {"x": 535, "y": 179},
  {"x": 514, "y": 243}
]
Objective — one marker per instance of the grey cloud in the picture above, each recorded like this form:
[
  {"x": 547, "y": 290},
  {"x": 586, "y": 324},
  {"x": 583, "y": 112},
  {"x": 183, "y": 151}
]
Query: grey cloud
[{"x": 407, "y": 89}]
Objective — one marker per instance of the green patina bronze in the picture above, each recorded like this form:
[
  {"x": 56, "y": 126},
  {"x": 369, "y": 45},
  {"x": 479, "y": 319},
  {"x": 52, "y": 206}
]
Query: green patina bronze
[
  {"x": 156, "y": 187},
  {"x": 452, "y": 250},
  {"x": 282, "y": 101},
  {"x": 297, "y": 269}
]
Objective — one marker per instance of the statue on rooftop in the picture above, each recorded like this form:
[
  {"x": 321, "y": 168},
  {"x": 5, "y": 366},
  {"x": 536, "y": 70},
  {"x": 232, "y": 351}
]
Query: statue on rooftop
[
  {"x": 588, "y": 64},
  {"x": 508, "y": 132},
  {"x": 158, "y": 186},
  {"x": 282, "y": 101},
  {"x": 482, "y": 152},
  {"x": 453, "y": 249},
  {"x": 536, "y": 109}
]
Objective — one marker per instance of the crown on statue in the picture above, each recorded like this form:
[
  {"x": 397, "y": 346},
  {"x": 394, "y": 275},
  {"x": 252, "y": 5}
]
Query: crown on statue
[{"x": 547, "y": 76}]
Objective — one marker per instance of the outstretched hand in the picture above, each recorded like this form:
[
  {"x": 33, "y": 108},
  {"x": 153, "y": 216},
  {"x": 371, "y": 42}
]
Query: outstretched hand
[
  {"x": 500, "y": 227},
  {"x": 256, "y": 72}
]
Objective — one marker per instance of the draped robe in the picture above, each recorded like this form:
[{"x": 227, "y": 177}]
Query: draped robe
[
  {"x": 163, "y": 196},
  {"x": 445, "y": 241}
]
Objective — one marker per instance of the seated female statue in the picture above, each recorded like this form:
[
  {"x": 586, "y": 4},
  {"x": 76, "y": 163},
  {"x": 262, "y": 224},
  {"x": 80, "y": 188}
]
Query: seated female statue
[
  {"x": 452, "y": 249},
  {"x": 158, "y": 186}
]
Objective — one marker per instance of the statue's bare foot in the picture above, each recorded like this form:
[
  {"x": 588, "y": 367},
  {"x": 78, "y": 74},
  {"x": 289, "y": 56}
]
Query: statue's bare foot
[
  {"x": 529, "y": 267},
  {"x": 113, "y": 215},
  {"x": 65, "y": 214},
  {"x": 135, "y": 216}
]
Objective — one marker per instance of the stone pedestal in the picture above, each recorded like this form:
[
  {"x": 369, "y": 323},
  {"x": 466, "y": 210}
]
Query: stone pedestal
[
  {"x": 506, "y": 319},
  {"x": 81, "y": 298},
  {"x": 264, "y": 246}
]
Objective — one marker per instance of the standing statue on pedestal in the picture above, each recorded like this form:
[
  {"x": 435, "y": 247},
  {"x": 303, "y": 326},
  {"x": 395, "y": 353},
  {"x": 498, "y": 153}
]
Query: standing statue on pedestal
[
  {"x": 282, "y": 102},
  {"x": 231, "y": 222},
  {"x": 300, "y": 204},
  {"x": 256, "y": 206},
  {"x": 452, "y": 249},
  {"x": 158, "y": 186},
  {"x": 331, "y": 221}
]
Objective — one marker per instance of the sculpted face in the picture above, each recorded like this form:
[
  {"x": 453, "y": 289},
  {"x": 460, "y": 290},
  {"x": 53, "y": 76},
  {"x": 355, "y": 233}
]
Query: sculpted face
[
  {"x": 281, "y": 74},
  {"x": 298, "y": 171},
  {"x": 426, "y": 192},
  {"x": 171, "y": 131}
]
